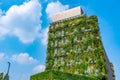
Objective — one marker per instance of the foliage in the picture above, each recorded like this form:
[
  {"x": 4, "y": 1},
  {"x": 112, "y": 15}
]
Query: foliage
[
  {"x": 1, "y": 76},
  {"x": 57, "y": 75},
  {"x": 77, "y": 37},
  {"x": 4, "y": 77},
  {"x": 75, "y": 48},
  {"x": 113, "y": 72}
]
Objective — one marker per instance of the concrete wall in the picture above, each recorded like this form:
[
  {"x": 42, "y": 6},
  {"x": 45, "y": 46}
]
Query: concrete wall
[
  {"x": 110, "y": 75},
  {"x": 67, "y": 14}
]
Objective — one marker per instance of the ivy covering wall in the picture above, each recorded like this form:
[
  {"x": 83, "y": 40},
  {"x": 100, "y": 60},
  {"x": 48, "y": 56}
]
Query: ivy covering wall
[
  {"x": 57, "y": 75},
  {"x": 75, "y": 47}
]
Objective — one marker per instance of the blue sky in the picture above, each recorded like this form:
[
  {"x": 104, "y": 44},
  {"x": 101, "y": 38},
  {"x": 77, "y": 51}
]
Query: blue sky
[{"x": 24, "y": 26}]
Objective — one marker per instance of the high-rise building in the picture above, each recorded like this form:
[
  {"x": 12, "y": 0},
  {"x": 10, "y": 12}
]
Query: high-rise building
[{"x": 75, "y": 48}]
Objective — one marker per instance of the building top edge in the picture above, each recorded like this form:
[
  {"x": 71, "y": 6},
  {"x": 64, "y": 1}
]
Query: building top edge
[{"x": 67, "y": 14}]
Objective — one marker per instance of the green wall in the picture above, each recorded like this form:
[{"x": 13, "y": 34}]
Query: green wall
[{"x": 75, "y": 48}]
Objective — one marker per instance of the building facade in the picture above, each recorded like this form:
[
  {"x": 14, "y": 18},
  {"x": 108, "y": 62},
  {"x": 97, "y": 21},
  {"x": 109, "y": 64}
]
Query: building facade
[{"x": 75, "y": 46}]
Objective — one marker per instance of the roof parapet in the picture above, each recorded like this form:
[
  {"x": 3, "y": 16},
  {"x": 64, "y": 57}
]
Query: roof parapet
[{"x": 67, "y": 14}]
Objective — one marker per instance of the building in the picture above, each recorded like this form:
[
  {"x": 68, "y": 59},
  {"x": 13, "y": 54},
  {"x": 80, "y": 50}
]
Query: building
[{"x": 75, "y": 48}]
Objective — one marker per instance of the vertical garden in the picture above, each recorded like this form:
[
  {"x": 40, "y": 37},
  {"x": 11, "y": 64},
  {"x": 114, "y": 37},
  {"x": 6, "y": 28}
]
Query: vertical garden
[{"x": 75, "y": 48}]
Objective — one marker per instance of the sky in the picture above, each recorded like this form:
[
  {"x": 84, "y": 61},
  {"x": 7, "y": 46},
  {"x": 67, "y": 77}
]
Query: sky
[{"x": 24, "y": 25}]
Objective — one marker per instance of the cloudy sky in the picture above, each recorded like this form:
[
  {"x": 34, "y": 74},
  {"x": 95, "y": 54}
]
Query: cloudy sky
[{"x": 24, "y": 26}]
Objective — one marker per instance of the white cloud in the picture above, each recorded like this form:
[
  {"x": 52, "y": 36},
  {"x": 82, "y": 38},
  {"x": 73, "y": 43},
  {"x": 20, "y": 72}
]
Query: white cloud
[
  {"x": 23, "y": 58},
  {"x": 2, "y": 56},
  {"x": 55, "y": 7},
  {"x": 24, "y": 77},
  {"x": 44, "y": 36},
  {"x": 22, "y": 21},
  {"x": 39, "y": 68}
]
